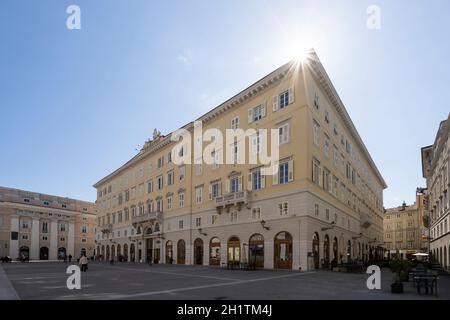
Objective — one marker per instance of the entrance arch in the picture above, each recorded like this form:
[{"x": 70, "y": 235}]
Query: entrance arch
[
  {"x": 256, "y": 250},
  {"x": 107, "y": 253},
  {"x": 113, "y": 252},
  {"x": 61, "y": 253},
  {"x": 214, "y": 252},
  {"x": 24, "y": 252},
  {"x": 283, "y": 250},
  {"x": 234, "y": 250},
  {"x": 335, "y": 250},
  {"x": 315, "y": 249},
  {"x": 181, "y": 252},
  {"x": 125, "y": 252},
  {"x": 119, "y": 252},
  {"x": 43, "y": 253},
  {"x": 169, "y": 252},
  {"x": 326, "y": 252},
  {"x": 132, "y": 252},
  {"x": 198, "y": 251},
  {"x": 349, "y": 251}
]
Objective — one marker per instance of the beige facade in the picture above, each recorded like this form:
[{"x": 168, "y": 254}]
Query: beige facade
[
  {"x": 404, "y": 232},
  {"x": 436, "y": 171},
  {"x": 326, "y": 201},
  {"x": 44, "y": 227}
]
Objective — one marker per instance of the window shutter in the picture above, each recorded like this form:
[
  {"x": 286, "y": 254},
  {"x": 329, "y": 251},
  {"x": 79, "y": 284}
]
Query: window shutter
[
  {"x": 250, "y": 115},
  {"x": 210, "y": 192},
  {"x": 275, "y": 178},
  {"x": 291, "y": 95},
  {"x": 263, "y": 109},
  {"x": 263, "y": 181},
  {"x": 240, "y": 183},
  {"x": 291, "y": 170},
  {"x": 219, "y": 192},
  {"x": 227, "y": 186},
  {"x": 249, "y": 181},
  {"x": 320, "y": 177},
  {"x": 275, "y": 103}
]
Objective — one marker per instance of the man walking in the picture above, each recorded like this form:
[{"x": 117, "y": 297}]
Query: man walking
[{"x": 83, "y": 263}]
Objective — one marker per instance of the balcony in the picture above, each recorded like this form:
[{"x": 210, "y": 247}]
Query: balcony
[
  {"x": 147, "y": 217},
  {"x": 234, "y": 198},
  {"x": 366, "y": 220},
  {"x": 107, "y": 228}
]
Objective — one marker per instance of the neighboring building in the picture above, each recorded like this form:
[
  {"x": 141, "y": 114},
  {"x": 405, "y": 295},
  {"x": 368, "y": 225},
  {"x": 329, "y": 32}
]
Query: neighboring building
[
  {"x": 44, "y": 227},
  {"x": 325, "y": 202},
  {"x": 436, "y": 170},
  {"x": 404, "y": 231}
]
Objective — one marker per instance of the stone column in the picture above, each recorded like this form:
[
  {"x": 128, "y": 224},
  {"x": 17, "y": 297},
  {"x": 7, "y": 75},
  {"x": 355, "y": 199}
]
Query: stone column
[
  {"x": 14, "y": 244},
  {"x": 268, "y": 254},
  {"x": 35, "y": 237},
  {"x": 71, "y": 240},
  {"x": 53, "y": 250}
]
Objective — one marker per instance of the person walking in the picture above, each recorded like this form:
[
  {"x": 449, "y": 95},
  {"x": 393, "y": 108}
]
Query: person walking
[
  {"x": 70, "y": 258},
  {"x": 83, "y": 263}
]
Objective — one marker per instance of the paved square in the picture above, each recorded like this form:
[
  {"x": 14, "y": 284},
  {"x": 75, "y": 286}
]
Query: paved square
[{"x": 140, "y": 281}]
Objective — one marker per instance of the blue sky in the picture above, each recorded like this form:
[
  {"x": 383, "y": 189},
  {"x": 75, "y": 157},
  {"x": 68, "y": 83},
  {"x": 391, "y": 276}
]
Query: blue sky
[{"x": 75, "y": 104}]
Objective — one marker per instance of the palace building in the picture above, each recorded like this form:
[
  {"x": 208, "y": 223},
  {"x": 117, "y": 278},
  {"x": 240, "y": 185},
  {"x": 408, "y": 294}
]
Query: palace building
[
  {"x": 436, "y": 171},
  {"x": 37, "y": 226},
  {"x": 404, "y": 230},
  {"x": 325, "y": 203}
]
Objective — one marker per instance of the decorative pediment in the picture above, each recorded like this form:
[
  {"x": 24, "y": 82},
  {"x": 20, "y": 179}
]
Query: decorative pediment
[
  {"x": 181, "y": 190},
  {"x": 149, "y": 200},
  {"x": 169, "y": 194},
  {"x": 234, "y": 174},
  {"x": 158, "y": 198}
]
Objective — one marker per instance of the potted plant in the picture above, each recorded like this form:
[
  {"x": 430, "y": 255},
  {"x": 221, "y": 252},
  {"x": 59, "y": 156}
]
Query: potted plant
[{"x": 401, "y": 269}]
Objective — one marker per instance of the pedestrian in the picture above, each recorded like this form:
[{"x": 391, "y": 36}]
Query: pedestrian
[
  {"x": 70, "y": 258},
  {"x": 65, "y": 258},
  {"x": 83, "y": 263}
]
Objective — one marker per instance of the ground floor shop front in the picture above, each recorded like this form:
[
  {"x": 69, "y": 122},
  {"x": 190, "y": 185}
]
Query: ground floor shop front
[{"x": 300, "y": 243}]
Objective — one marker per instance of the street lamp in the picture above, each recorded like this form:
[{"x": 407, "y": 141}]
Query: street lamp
[
  {"x": 263, "y": 224},
  {"x": 202, "y": 233},
  {"x": 328, "y": 228}
]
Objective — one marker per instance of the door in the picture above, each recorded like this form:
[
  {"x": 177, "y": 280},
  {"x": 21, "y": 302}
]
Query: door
[
  {"x": 316, "y": 253},
  {"x": 149, "y": 247},
  {"x": 256, "y": 250},
  {"x": 181, "y": 252},
  {"x": 169, "y": 252},
  {"x": 326, "y": 252},
  {"x": 234, "y": 250},
  {"x": 214, "y": 252},
  {"x": 198, "y": 251},
  {"x": 283, "y": 251},
  {"x": 43, "y": 253}
]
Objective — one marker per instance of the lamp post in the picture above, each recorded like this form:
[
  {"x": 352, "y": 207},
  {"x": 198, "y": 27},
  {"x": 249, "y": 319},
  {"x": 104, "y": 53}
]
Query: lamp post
[{"x": 263, "y": 224}]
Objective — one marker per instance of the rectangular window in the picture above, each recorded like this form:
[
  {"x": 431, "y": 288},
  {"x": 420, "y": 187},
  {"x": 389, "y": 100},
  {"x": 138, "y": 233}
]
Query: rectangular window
[
  {"x": 180, "y": 224},
  {"x": 235, "y": 123},
  {"x": 316, "y": 133},
  {"x": 181, "y": 200},
  {"x": 256, "y": 180},
  {"x": 198, "y": 222},
  {"x": 181, "y": 172},
  {"x": 283, "y": 132},
  {"x": 316, "y": 172},
  {"x": 234, "y": 184},
  {"x": 170, "y": 178},
  {"x": 283, "y": 173},
  {"x": 150, "y": 186},
  {"x": 284, "y": 99},
  {"x": 234, "y": 216},
  {"x": 256, "y": 213},
  {"x": 326, "y": 147},
  {"x": 199, "y": 195},
  {"x": 316, "y": 210},
  {"x": 215, "y": 190},
  {"x": 169, "y": 202},
  {"x": 214, "y": 219},
  {"x": 159, "y": 182},
  {"x": 283, "y": 208}
]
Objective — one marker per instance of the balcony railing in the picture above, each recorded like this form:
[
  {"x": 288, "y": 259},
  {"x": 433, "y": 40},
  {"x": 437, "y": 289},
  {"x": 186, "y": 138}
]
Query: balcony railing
[
  {"x": 146, "y": 217},
  {"x": 233, "y": 198},
  {"x": 366, "y": 220}
]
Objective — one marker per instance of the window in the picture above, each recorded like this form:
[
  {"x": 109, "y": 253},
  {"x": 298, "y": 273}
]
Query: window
[
  {"x": 120, "y": 198},
  {"x": 198, "y": 222},
  {"x": 326, "y": 147},
  {"x": 284, "y": 99},
  {"x": 283, "y": 173},
  {"x": 46, "y": 203},
  {"x": 44, "y": 238},
  {"x": 256, "y": 113},
  {"x": 159, "y": 182},
  {"x": 62, "y": 239},
  {"x": 316, "y": 101},
  {"x": 169, "y": 202},
  {"x": 198, "y": 169},
  {"x": 336, "y": 156},
  {"x": 256, "y": 213},
  {"x": 127, "y": 195},
  {"x": 283, "y": 132},
  {"x": 234, "y": 184},
  {"x": 180, "y": 224},
  {"x": 214, "y": 219},
  {"x": 327, "y": 117},
  {"x": 169, "y": 157},
  {"x": 316, "y": 172},
  {"x": 326, "y": 180},
  {"x": 150, "y": 186},
  {"x": 44, "y": 227},
  {"x": 160, "y": 162},
  {"x": 159, "y": 205},
  {"x": 235, "y": 123},
  {"x": 283, "y": 209},
  {"x": 234, "y": 153},
  {"x": 181, "y": 172},
  {"x": 327, "y": 214},
  {"x": 119, "y": 216},
  {"x": 24, "y": 237},
  {"x": 316, "y": 133},
  {"x": 214, "y": 190},
  {"x": 316, "y": 210},
  {"x": 199, "y": 195},
  {"x": 256, "y": 180},
  {"x": 83, "y": 240},
  {"x": 62, "y": 227},
  {"x": 170, "y": 178},
  {"x": 234, "y": 216},
  {"x": 181, "y": 200},
  {"x": 25, "y": 224}
]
